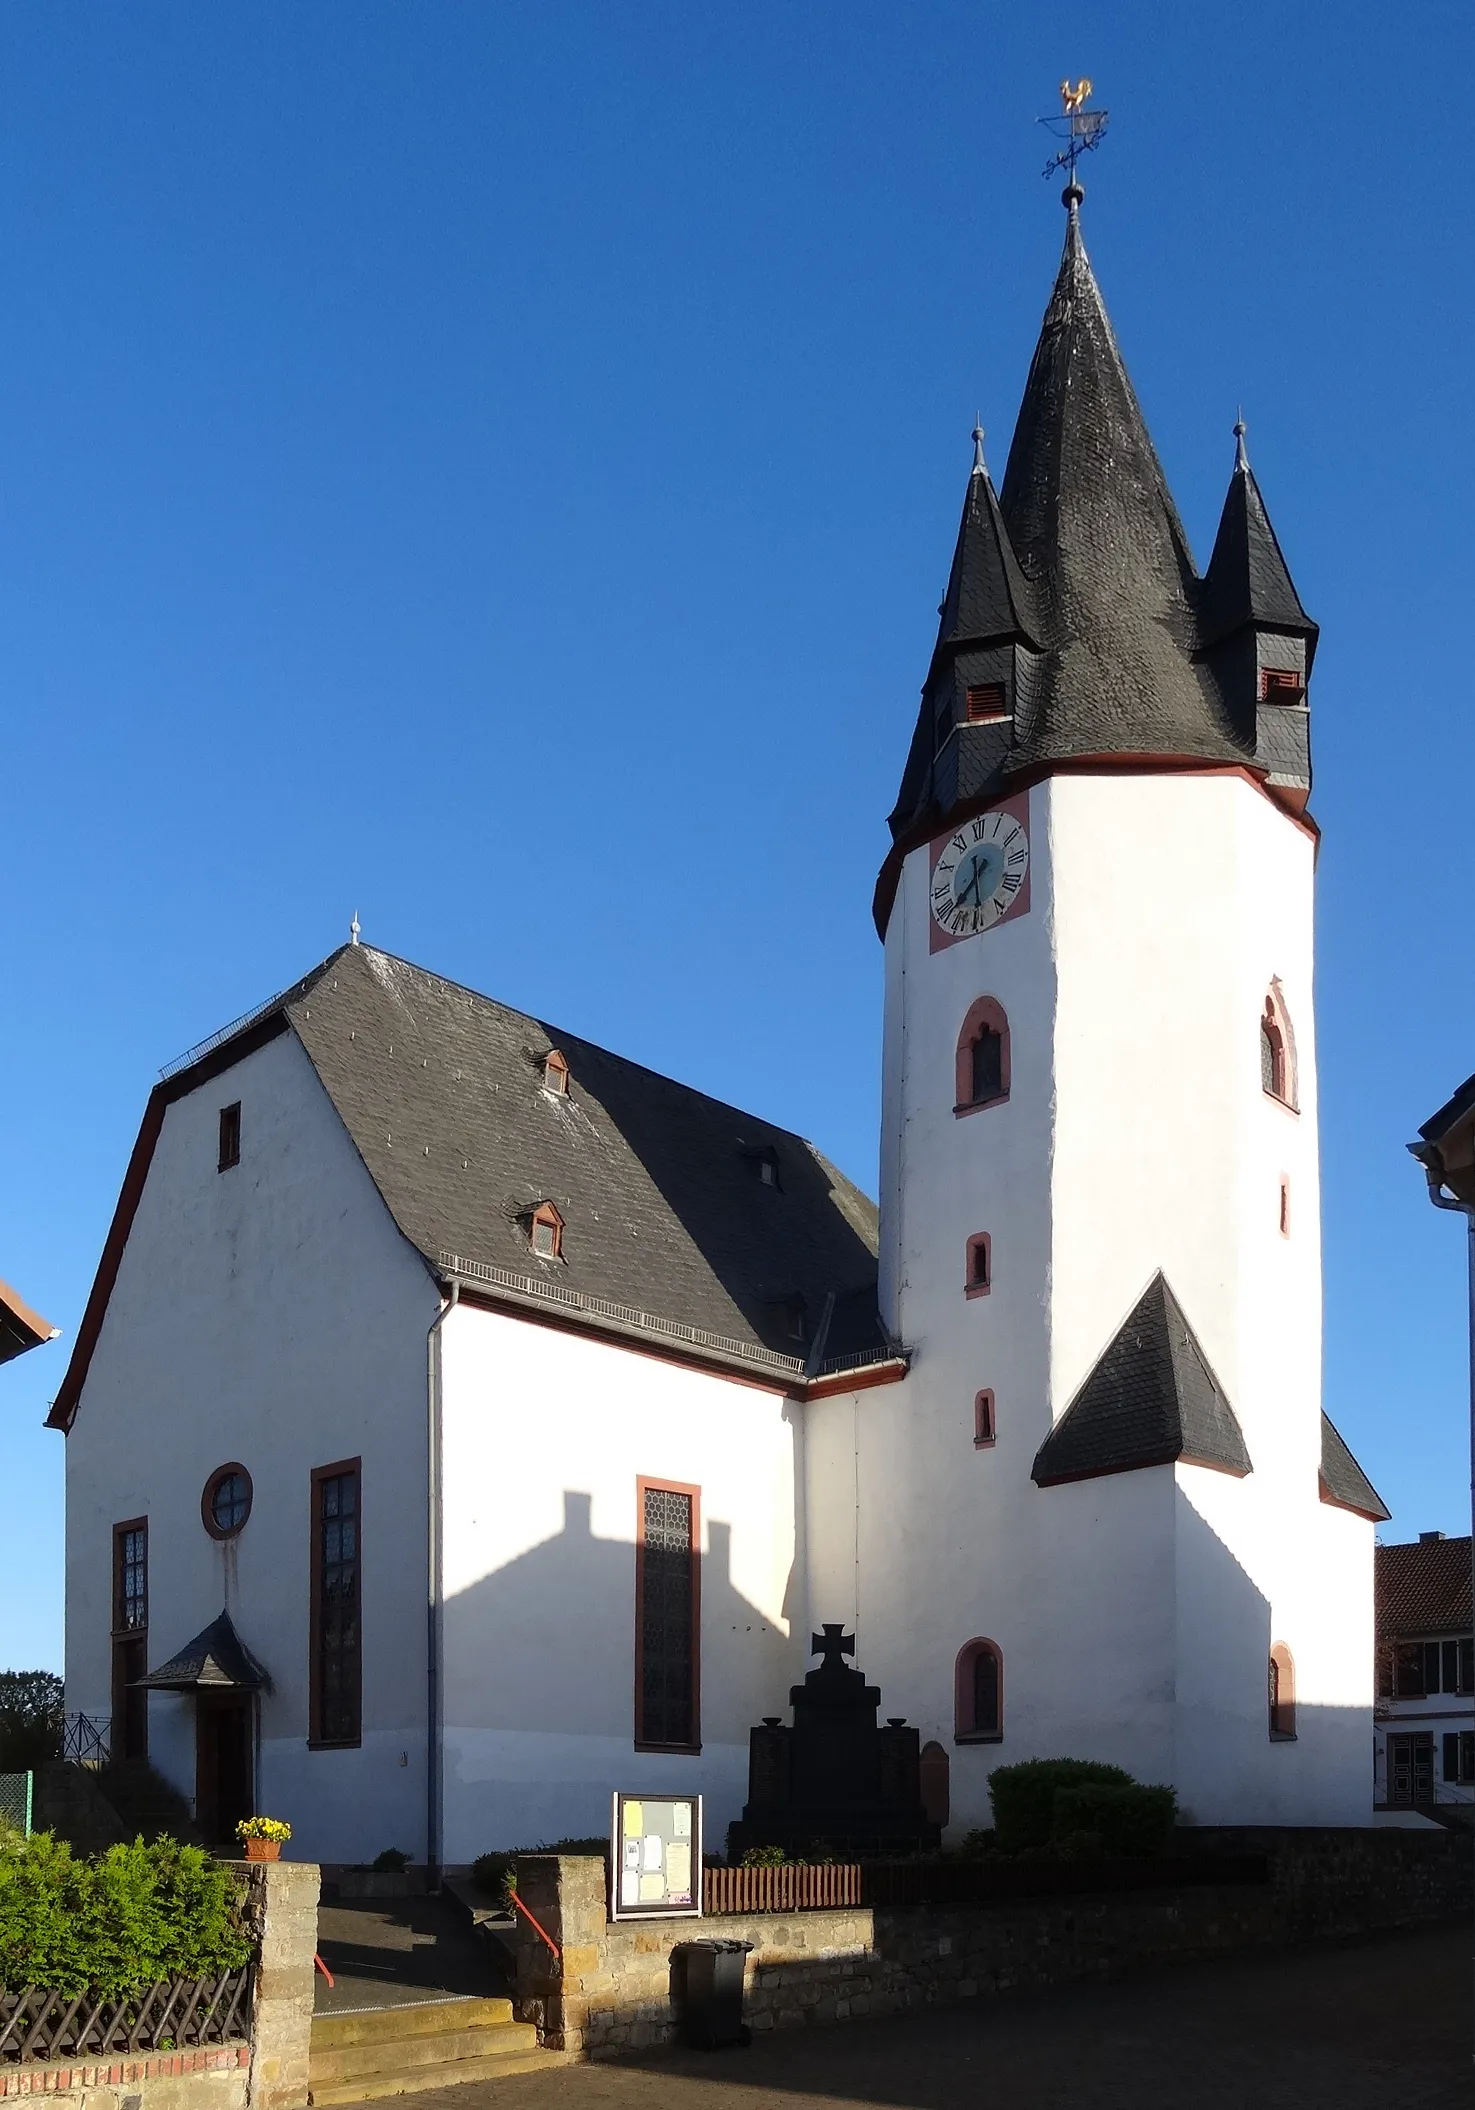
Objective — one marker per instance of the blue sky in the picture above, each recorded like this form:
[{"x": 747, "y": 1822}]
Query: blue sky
[{"x": 438, "y": 443}]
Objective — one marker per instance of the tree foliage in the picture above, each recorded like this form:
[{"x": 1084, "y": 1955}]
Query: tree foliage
[{"x": 31, "y": 1719}]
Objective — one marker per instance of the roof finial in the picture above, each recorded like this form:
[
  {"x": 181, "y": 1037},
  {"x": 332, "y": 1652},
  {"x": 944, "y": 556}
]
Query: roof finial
[
  {"x": 353, "y": 929},
  {"x": 980, "y": 467},
  {"x": 1241, "y": 458},
  {"x": 1082, "y": 129}
]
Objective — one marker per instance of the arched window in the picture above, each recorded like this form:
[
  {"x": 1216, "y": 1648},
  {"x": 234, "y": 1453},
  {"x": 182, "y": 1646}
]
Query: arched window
[
  {"x": 982, "y": 1077},
  {"x": 978, "y": 1694},
  {"x": 1277, "y": 1049},
  {"x": 1282, "y": 1694},
  {"x": 934, "y": 1771},
  {"x": 983, "y": 1420}
]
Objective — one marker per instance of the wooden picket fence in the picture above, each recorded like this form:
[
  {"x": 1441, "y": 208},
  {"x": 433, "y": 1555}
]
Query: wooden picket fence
[
  {"x": 172, "y": 2015},
  {"x": 794, "y": 1889},
  {"x": 901, "y": 1884}
]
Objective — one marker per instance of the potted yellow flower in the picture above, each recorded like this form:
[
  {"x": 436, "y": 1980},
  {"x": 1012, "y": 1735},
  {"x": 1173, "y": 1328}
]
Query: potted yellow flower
[{"x": 263, "y": 1837}]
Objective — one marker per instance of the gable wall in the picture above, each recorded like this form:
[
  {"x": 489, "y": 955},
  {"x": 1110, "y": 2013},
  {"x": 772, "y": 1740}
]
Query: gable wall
[
  {"x": 544, "y": 1433},
  {"x": 270, "y": 1314}
]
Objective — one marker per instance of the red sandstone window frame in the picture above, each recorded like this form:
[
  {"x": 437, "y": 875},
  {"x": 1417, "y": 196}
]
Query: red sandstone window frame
[
  {"x": 978, "y": 1265},
  {"x": 207, "y": 1500},
  {"x": 965, "y": 1690},
  {"x": 546, "y": 1218},
  {"x": 1285, "y": 1206},
  {"x": 556, "y": 1073},
  {"x": 228, "y": 1151},
  {"x": 342, "y": 1468},
  {"x": 984, "y": 1426},
  {"x": 643, "y": 1485},
  {"x": 1282, "y": 1694},
  {"x": 985, "y": 1015},
  {"x": 1278, "y": 1041}
]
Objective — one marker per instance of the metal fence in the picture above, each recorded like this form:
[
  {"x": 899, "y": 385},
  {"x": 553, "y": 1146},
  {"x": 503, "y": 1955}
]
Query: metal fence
[
  {"x": 15, "y": 1800},
  {"x": 87, "y": 1739},
  {"x": 174, "y": 2014}
]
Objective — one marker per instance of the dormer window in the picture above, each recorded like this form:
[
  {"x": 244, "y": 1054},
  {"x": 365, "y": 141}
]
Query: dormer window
[
  {"x": 1281, "y": 685},
  {"x": 987, "y": 702},
  {"x": 787, "y": 1314},
  {"x": 545, "y": 1232},
  {"x": 555, "y": 1073},
  {"x": 763, "y": 1164}
]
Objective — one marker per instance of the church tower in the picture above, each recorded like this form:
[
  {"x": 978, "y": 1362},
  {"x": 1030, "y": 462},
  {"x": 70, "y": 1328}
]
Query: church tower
[{"x": 1104, "y": 1516}]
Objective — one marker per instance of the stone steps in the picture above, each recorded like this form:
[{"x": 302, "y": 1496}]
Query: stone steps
[{"x": 378, "y": 2052}]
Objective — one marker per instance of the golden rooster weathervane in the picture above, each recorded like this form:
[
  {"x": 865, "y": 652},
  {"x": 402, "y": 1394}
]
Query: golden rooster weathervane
[{"x": 1081, "y": 127}]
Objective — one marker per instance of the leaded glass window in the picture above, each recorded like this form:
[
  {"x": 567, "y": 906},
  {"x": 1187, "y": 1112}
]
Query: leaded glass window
[
  {"x": 667, "y": 1587},
  {"x": 337, "y": 1606},
  {"x": 133, "y": 1577}
]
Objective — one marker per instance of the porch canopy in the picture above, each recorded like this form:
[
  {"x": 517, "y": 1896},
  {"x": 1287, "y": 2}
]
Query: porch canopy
[{"x": 217, "y": 1660}]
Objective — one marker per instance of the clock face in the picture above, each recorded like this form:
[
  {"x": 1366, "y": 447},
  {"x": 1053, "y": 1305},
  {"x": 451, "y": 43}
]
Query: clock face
[{"x": 977, "y": 878}]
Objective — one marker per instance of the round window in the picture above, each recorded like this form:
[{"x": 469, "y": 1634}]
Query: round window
[{"x": 226, "y": 1502}]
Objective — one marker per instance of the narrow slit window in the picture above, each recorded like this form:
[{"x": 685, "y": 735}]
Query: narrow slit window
[
  {"x": 983, "y": 1420},
  {"x": 979, "y": 1267},
  {"x": 667, "y": 1618},
  {"x": 130, "y": 1640},
  {"x": 230, "y": 1137},
  {"x": 1282, "y": 1694},
  {"x": 1285, "y": 1207}
]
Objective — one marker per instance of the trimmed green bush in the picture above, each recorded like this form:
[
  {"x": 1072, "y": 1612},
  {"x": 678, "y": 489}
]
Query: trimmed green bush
[
  {"x": 124, "y": 1918},
  {"x": 392, "y": 1862},
  {"x": 1023, "y": 1796},
  {"x": 492, "y": 1872},
  {"x": 1126, "y": 1820}
]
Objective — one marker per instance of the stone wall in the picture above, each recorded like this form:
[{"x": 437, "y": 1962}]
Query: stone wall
[
  {"x": 612, "y": 1991},
  {"x": 282, "y": 1911}
]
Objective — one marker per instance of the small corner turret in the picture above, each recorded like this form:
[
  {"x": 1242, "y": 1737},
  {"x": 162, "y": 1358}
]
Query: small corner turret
[{"x": 1256, "y": 638}]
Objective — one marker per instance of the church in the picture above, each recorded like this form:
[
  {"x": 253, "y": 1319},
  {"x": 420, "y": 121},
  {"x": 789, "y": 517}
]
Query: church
[{"x": 466, "y": 1422}]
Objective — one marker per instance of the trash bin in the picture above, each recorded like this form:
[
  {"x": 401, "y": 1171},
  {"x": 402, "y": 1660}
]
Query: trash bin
[{"x": 711, "y": 1981}]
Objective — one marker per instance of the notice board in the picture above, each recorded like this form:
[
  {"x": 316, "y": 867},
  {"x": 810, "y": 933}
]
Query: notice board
[{"x": 656, "y": 1857}]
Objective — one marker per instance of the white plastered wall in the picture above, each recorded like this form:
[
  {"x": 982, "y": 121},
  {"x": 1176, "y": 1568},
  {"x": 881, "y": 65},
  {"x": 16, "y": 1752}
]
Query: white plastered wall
[
  {"x": 544, "y": 1433},
  {"x": 1135, "y": 1612},
  {"x": 270, "y": 1314}
]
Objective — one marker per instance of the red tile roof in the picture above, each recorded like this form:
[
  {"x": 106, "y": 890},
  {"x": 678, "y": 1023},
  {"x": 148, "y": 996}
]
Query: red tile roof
[{"x": 1423, "y": 1588}]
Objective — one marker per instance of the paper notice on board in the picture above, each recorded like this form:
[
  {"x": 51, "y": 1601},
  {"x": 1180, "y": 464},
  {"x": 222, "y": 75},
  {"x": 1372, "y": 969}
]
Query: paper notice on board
[
  {"x": 652, "y": 1889},
  {"x": 634, "y": 1823},
  {"x": 678, "y": 1870},
  {"x": 630, "y": 1886},
  {"x": 681, "y": 1811},
  {"x": 652, "y": 1850}
]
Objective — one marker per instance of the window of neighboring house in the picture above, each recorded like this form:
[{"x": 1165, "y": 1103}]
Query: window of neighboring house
[
  {"x": 555, "y": 1073},
  {"x": 1423, "y": 1668},
  {"x": 667, "y": 1617},
  {"x": 230, "y": 1137},
  {"x": 1281, "y": 685},
  {"x": 130, "y": 1736},
  {"x": 983, "y": 1420},
  {"x": 226, "y": 1502},
  {"x": 1459, "y": 1756},
  {"x": 986, "y": 701},
  {"x": 1277, "y": 1062},
  {"x": 978, "y": 1268},
  {"x": 978, "y": 1693},
  {"x": 336, "y": 1699},
  {"x": 981, "y": 1075},
  {"x": 545, "y": 1232},
  {"x": 1282, "y": 1694}
]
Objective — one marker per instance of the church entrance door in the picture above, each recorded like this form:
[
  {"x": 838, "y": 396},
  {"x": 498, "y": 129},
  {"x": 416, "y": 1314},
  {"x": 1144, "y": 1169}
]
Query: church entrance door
[{"x": 225, "y": 1769}]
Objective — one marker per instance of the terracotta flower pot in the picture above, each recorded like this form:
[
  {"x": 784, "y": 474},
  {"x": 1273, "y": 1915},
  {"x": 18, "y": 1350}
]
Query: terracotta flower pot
[{"x": 263, "y": 1849}]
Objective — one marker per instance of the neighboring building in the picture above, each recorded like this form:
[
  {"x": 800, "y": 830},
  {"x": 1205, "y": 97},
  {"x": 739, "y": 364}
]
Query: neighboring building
[
  {"x": 21, "y": 1329},
  {"x": 1425, "y": 1716},
  {"x": 466, "y": 1422}
]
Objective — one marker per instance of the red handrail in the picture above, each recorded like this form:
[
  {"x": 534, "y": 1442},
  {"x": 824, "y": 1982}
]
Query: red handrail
[{"x": 516, "y": 1902}]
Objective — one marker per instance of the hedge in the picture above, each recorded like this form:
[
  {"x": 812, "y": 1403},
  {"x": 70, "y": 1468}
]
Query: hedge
[
  {"x": 1114, "y": 1820},
  {"x": 128, "y": 1917},
  {"x": 1023, "y": 1796}
]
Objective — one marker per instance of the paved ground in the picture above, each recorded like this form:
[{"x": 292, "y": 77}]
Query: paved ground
[
  {"x": 1383, "y": 2023},
  {"x": 391, "y": 1952}
]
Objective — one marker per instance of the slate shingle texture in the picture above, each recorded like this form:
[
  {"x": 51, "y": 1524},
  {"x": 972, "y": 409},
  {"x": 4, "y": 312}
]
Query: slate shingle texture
[
  {"x": 1343, "y": 1481},
  {"x": 1151, "y": 1399},
  {"x": 661, "y": 1189}
]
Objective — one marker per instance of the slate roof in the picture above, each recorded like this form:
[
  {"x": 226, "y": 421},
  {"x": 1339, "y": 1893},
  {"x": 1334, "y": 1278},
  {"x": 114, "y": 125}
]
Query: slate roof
[
  {"x": 660, "y": 1187},
  {"x": 1343, "y": 1482},
  {"x": 1097, "y": 534},
  {"x": 1248, "y": 581},
  {"x": 1423, "y": 1588},
  {"x": 987, "y": 598},
  {"x": 1151, "y": 1399},
  {"x": 217, "y": 1658},
  {"x": 21, "y": 1329}
]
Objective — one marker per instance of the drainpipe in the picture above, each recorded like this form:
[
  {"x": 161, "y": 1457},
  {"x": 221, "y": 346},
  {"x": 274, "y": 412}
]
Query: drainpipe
[
  {"x": 1433, "y": 1164},
  {"x": 432, "y": 1585}
]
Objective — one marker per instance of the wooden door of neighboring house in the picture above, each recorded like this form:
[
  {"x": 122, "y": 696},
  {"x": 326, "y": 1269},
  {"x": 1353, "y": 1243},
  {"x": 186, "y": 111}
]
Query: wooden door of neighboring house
[{"x": 1411, "y": 1768}]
